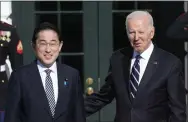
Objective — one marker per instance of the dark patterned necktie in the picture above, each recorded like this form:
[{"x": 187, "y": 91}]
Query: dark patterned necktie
[
  {"x": 50, "y": 92},
  {"x": 134, "y": 77}
]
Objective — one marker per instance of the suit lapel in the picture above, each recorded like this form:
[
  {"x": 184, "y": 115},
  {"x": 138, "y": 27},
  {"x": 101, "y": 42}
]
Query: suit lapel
[
  {"x": 64, "y": 84},
  {"x": 126, "y": 61},
  {"x": 39, "y": 89},
  {"x": 149, "y": 71}
]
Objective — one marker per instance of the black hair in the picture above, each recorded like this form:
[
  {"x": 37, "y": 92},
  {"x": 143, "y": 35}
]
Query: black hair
[{"x": 45, "y": 26}]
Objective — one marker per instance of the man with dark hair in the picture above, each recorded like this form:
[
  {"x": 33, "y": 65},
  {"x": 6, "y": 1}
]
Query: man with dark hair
[
  {"x": 145, "y": 80},
  {"x": 45, "y": 91}
]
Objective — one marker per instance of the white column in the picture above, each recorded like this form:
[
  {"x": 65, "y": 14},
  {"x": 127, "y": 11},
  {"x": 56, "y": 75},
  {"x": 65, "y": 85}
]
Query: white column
[{"x": 6, "y": 10}]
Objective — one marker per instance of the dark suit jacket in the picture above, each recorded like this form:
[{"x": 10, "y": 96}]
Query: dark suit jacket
[
  {"x": 27, "y": 101},
  {"x": 160, "y": 96}
]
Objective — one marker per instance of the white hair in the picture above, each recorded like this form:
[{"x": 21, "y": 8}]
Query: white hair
[{"x": 137, "y": 14}]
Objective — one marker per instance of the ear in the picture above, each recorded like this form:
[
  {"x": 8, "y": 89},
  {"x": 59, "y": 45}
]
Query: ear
[
  {"x": 33, "y": 46},
  {"x": 60, "y": 46},
  {"x": 152, "y": 32}
]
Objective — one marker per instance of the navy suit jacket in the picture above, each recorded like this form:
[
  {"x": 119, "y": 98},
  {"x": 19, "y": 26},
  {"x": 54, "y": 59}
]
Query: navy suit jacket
[
  {"x": 160, "y": 96},
  {"x": 27, "y": 101}
]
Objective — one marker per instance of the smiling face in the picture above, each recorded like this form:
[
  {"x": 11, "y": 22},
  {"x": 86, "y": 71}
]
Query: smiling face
[
  {"x": 47, "y": 47},
  {"x": 140, "y": 33}
]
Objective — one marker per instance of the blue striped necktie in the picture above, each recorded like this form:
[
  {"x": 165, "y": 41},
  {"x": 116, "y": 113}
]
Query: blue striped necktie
[{"x": 134, "y": 77}]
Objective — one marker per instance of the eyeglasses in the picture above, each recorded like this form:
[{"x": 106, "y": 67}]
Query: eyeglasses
[{"x": 44, "y": 45}]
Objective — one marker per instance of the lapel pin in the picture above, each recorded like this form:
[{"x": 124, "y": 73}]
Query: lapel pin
[
  {"x": 65, "y": 82},
  {"x": 155, "y": 62}
]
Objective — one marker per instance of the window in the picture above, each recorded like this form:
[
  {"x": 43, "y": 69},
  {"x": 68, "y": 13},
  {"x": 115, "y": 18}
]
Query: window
[{"x": 6, "y": 10}]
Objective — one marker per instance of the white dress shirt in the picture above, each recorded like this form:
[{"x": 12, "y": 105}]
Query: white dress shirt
[
  {"x": 143, "y": 61},
  {"x": 53, "y": 75}
]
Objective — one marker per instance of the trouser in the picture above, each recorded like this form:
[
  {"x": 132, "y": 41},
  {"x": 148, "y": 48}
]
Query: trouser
[
  {"x": 2, "y": 115},
  {"x": 3, "y": 90},
  {"x": 3, "y": 94}
]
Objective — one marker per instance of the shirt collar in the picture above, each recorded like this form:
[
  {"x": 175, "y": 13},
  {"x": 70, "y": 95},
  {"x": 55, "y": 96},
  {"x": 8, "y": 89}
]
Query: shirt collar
[
  {"x": 42, "y": 68},
  {"x": 146, "y": 54}
]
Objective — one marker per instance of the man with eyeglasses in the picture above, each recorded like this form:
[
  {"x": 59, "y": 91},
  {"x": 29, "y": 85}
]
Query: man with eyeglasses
[{"x": 45, "y": 91}]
